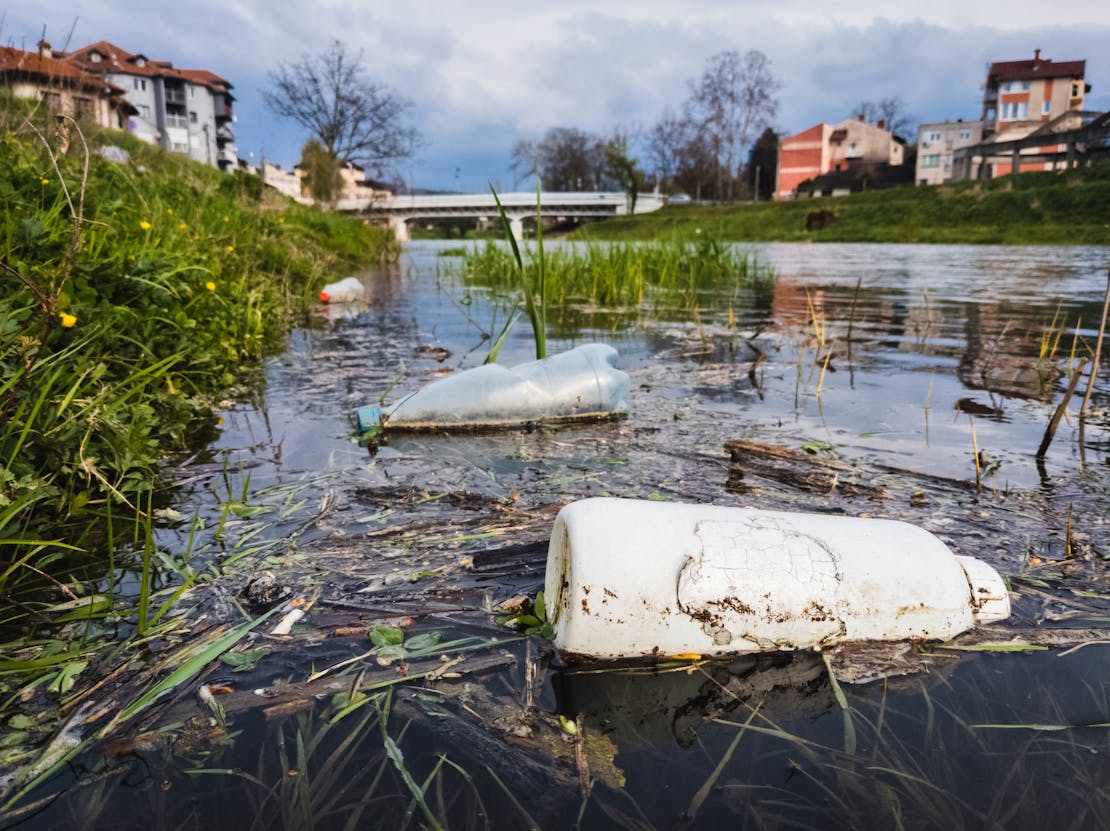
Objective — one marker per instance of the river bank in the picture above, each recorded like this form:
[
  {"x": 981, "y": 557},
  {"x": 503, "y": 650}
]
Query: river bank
[
  {"x": 427, "y": 536},
  {"x": 1052, "y": 208}
]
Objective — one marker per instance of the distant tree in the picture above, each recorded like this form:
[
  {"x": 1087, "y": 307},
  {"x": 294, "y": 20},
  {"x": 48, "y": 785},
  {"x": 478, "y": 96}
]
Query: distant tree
[
  {"x": 666, "y": 142},
  {"x": 763, "y": 160},
  {"x": 892, "y": 113},
  {"x": 566, "y": 159},
  {"x": 354, "y": 118},
  {"x": 623, "y": 169},
  {"x": 733, "y": 99},
  {"x": 321, "y": 173},
  {"x": 698, "y": 168}
]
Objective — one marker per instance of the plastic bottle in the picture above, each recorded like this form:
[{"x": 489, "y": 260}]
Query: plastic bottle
[
  {"x": 580, "y": 383},
  {"x": 347, "y": 290},
  {"x": 629, "y": 578}
]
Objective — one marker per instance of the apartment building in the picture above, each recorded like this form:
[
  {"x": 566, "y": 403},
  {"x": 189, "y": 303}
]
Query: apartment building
[
  {"x": 186, "y": 111},
  {"x": 1019, "y": 96},
  {"x": 65, "y": 89},
  {"x": 936, "y": 144},
  {"x": 826, "y": 148}
]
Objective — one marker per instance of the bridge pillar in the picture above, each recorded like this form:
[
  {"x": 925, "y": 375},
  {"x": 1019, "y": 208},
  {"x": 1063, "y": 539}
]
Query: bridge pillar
[
  {"x": 516, "y": 225},
  {"x": 400, "y": 228}
]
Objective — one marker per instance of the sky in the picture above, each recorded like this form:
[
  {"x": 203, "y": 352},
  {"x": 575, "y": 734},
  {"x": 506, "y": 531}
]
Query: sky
[{"x": 484, "y": 73}]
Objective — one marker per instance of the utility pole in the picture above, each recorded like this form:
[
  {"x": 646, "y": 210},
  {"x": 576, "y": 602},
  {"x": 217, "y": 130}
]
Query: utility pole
[{"x": 757, "y": 169}]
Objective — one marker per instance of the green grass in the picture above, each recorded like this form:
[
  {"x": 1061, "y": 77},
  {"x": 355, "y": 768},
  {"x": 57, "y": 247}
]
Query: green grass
[
  {"x": 132, "y": 296},
  {"x": 677, "y": 270},
  {"x": 1051, "y": 208}
]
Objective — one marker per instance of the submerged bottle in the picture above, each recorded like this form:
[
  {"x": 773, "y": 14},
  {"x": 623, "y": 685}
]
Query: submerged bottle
[
  {"x": 628, "y": 578},
  {"x": 347, "y": 290},
  {"x": 580, "y": 383}
]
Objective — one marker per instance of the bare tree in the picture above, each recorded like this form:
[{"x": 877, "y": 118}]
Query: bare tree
[
  {"x": 665, "y": 144},
  {"x": 890, "y": 114},
  {"x": 733, "y": 100},
  {"x": 354, "y": 117},
  {"x": 566, "y": 159}
]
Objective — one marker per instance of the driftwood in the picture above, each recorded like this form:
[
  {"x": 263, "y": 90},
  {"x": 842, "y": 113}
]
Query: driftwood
[{"x": 794, "y": 468}]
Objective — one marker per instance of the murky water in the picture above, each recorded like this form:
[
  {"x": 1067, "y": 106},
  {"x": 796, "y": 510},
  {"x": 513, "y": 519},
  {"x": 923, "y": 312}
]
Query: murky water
[{"x": 901, "y": 361}]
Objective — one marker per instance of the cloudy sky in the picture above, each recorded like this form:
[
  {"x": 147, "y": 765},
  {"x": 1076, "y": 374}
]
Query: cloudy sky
[{"x": 483, "y": 73}]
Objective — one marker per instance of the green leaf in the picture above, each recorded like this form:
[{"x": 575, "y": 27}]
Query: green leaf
[
  {"x": 390, "y": 653},
  {"x": 63, "y": 682},
  {"x": 425, "y": 640},
  {"x": 539, "y": 607},
  {"x": 245, "y": 660},
  {"x": 386, "y": 636}
]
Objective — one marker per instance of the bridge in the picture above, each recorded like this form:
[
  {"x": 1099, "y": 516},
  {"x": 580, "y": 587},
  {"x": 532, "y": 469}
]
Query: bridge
[{"x": 401, "y": 210}]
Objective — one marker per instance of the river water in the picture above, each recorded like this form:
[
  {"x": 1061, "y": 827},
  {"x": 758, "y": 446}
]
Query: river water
[{"x": 901, "y": 361}]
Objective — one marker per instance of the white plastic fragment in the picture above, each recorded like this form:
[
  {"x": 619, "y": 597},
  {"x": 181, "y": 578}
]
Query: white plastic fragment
[
  {"x": 580, "y": 383},
  {"x": 629, "y": 578},
  {"x": 347, "y": 290}
]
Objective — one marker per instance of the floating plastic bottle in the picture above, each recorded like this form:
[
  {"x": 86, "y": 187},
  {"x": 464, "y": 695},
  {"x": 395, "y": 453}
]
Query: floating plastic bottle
[
  {"x": 628, "y": 578},
  {"x": 347, "y": 290},
  {"x": 581, "y": 383}
]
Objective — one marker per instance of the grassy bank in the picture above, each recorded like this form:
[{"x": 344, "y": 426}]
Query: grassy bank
[
  {"x": 1064, "y": 208},
  {"x": 132, "y": 293}
]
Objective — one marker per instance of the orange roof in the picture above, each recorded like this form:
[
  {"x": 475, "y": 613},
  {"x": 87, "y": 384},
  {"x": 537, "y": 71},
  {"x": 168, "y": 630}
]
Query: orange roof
[
  {"x": 36, "y": 64},
  {"x": 115, "y": 60}
]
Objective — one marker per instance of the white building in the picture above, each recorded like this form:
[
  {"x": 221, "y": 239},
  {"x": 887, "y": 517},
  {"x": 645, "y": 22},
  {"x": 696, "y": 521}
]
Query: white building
[
  {"x": 935, "y": 145},
  {"x": 186, "y": 111}
]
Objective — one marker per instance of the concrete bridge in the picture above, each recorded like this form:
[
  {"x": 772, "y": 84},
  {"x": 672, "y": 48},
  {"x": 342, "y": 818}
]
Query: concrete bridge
[{"x": 400, "y": 210}]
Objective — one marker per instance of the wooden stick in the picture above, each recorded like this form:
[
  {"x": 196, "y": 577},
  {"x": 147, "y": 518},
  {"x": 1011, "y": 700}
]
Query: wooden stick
[
  {"x": 1098, "y": 352},
  {"x": 1050, "y": 431}
]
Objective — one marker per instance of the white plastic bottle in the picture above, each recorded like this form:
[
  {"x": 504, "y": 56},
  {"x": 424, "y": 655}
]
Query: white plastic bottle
[
  {"x": 628, "y": 577},
  {"x": 580, "y": 383},
  {"x": 347, "y": 290}
]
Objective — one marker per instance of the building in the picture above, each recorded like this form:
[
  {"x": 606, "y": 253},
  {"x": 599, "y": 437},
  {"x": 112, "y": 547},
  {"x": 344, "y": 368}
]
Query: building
[
  {"x": 64, "y": 88},
  {"x": 1019, "y": 96},
  {"x": 1032, "y": 119},
  {"x": 826, "y": 148},
  {"x": 185, "y": 111},
  {"x": 936, "y": 144}
]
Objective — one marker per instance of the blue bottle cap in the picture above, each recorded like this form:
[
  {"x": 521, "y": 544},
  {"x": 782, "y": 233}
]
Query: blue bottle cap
[{"x": 368, "y": 418}]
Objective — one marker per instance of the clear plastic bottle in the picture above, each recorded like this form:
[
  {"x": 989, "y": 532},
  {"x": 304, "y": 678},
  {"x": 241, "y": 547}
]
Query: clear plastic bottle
[
  {"x": 577, "y": 384},
  {"x": 347, "y": 290},
  {"x": 628, "y": 577}
]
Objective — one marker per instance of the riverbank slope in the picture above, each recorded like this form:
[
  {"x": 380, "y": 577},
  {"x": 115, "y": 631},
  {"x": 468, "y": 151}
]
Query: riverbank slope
[{"x": 1052, "y": 208}]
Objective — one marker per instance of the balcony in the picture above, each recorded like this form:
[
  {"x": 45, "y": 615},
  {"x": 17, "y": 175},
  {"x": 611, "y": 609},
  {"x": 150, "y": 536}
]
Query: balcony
[
  {"x": 177, "y": 121},
  {"x": 175, "y": 95}
]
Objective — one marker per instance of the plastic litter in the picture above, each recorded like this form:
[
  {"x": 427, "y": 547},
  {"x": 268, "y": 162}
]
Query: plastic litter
[
  {"x": 580, "y": 383},
  {"x": 347, "y": 290},
  {"x": 628, "y": 578}
]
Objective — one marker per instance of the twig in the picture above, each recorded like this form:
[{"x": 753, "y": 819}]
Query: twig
[
  {"x": 1050, "y": 431},
  {"x": 1098, "y": 352}
]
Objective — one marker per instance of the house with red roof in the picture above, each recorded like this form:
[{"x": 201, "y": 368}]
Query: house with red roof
[
  {"x": 64, "y": 88},
  {"x": 185, "y": 111},
  {"x": 851, "y": 148}
]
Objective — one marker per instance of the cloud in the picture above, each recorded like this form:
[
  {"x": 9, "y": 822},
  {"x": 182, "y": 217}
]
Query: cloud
[{"x": 484, "y": 73}]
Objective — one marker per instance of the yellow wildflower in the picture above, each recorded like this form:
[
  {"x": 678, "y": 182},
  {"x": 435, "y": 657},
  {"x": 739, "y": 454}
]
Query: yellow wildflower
[
  {"x": 169, "y": 210},
  {"x": 230, "y": 248},
  {"x": 226, "y": 219},
  {"x": 181, "y": 226},
  {"x": 144, "y": 225},
  {"x": 210, "y": 286},
  {"x": 45, "y": 181},
  {"x": 68, "y": 320},
  {"x": 281, "y": 220}
]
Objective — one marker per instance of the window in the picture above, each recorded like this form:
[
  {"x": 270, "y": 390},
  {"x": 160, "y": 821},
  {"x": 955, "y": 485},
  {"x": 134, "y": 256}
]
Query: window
[
  {"x": 144, "y": 110},
  {"x": 1015, "y": 111},
  {"x": 1075, "y": 90},
  {"x": 1046, "y": 107},
  {"x": 95, "y": 57},
  {"x": 932, "y": 160},
  {"x": 1015, "y": 86},
  {"x": 965, "y": 135},
  {"x": 192, "y": 117},
  {"x": 934, "y": 135},
  {"x": 140, "y": 83},
  {"x": 192, "y": 92}
]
